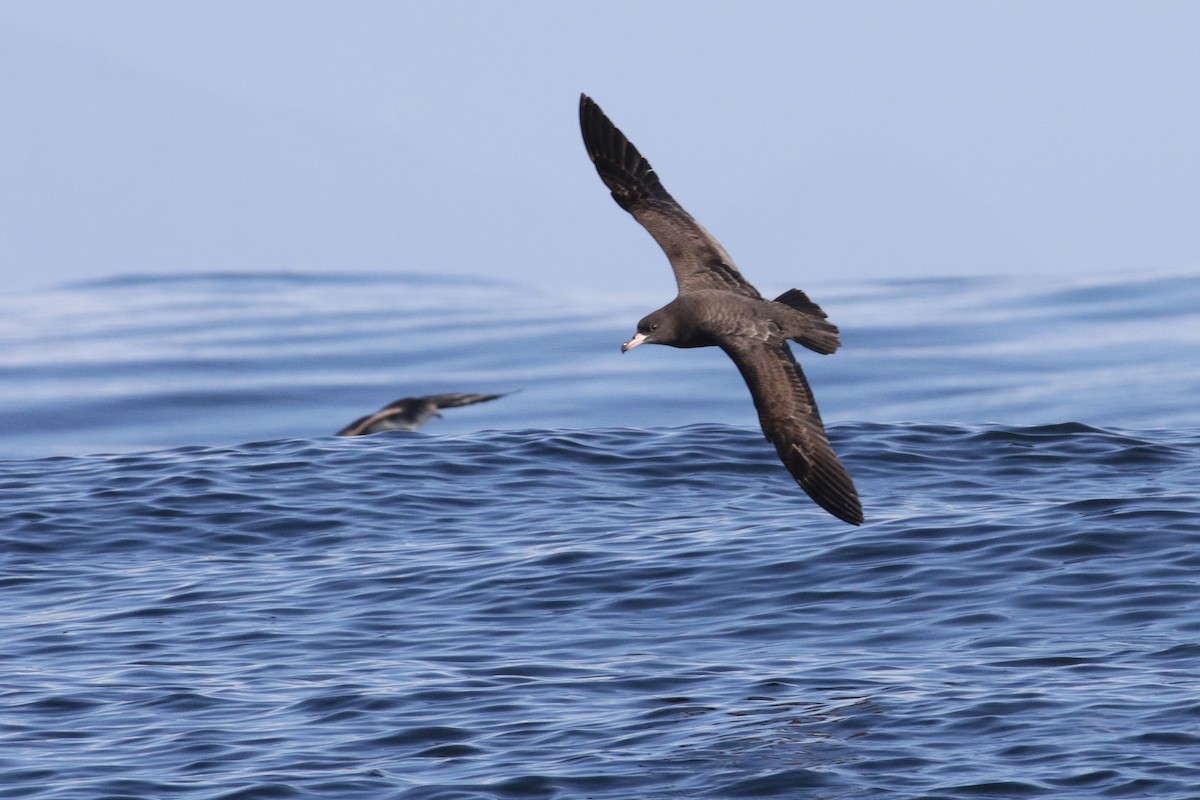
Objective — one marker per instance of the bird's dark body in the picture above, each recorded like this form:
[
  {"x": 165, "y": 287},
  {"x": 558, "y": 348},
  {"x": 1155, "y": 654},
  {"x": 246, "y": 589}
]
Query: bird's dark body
[
  {"x": 717, "y": 307},
  {"x": 410, "y": 413}
]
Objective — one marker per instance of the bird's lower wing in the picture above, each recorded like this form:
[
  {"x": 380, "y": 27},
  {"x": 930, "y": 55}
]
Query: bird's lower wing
[
  {"x": 790, "y": 420},
  {"x": 359, "y": 426}
]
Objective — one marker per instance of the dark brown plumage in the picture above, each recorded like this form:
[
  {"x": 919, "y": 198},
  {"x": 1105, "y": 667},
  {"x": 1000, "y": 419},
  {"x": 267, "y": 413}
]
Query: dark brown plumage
[
  {"x": 717, "y": 307},
  {"x": 410, "y": 413}
]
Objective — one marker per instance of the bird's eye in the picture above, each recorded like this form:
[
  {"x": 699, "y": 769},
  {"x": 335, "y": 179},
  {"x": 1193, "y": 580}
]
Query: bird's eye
[{"x": 654, "y": 327}]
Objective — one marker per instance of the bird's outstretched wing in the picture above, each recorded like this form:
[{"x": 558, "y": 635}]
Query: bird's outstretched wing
[
  {"x": 372, "y": 423},
  {"x": 697, "y": 258},
  {"x": 458, "y": 399},
  {"x": 788, "y": 414}
]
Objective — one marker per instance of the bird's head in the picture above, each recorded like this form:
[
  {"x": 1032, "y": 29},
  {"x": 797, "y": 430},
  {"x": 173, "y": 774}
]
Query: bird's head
[
  {"x": 680, "y": 323},
  {"x": 656, "y": 328}
]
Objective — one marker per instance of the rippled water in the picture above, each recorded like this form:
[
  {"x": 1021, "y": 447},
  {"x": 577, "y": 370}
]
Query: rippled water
[{"x": 605, "y": 585}]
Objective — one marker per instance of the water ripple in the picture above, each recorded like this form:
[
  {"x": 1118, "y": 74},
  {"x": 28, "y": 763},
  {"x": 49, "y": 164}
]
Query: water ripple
[{"x": 605, "y": 613}]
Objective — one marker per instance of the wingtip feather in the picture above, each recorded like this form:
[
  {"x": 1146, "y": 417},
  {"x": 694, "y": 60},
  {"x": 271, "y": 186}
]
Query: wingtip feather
[
  {"x": 624, "y": 170},
  {"x": 830, "y": 486}
]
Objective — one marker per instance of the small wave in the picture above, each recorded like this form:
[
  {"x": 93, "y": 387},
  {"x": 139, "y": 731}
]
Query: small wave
[
  {"x": 606, "y": 613},
  {"x": 238, "y": 281}
]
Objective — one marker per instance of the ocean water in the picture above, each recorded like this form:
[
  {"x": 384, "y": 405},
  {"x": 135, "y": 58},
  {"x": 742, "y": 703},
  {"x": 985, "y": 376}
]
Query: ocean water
[{"x": 603, "y": 585}]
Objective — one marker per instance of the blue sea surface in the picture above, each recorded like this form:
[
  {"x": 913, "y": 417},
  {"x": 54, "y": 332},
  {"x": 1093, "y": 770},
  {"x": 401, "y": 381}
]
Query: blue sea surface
[{"x": 604, "y": 585}]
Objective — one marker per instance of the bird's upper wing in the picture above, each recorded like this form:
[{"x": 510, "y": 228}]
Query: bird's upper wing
[
  {"x": 458, "y": 399},
  {"x": 788, "y": 414},
  {"x": 697, "y": 258}
]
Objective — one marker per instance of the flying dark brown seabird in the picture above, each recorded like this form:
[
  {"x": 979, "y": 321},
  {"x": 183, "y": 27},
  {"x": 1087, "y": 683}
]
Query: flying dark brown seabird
[
  {"x": 717, "y": 307},
  {"x": 410, "y": 413}
]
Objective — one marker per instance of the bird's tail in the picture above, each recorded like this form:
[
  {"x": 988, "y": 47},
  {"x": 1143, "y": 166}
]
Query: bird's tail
[{"x": 815, "y": 332}]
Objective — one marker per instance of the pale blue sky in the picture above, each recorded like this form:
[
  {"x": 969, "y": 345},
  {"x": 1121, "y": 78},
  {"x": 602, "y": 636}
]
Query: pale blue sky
[{"x": 822, "y": 142}]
